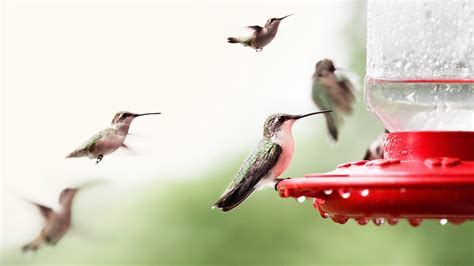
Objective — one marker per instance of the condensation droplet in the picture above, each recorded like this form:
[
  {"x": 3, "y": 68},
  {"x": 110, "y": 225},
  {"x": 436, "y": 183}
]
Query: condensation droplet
[
  {"x": 301, "y": 199},
  {"x": 378, "y": 221},
  {"x": 457, "y": 221},
  {"x": 443, "y": 221},
  {"x": 328, "y": 191},
  {"x": 392, "y": 221},
  {"x": 415, "y": 221},
  {"x": 362, "y": 220},
  {"x": 344, "y": 193},
  {"x": 364, "y": 193},
  {"x": 340, "y": 219}
]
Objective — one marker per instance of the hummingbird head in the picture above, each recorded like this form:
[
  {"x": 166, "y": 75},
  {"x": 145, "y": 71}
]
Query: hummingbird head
[
  {"x": 274, "y": 22},
  {"x": 125, "y": 118},
  {"x": 282, "y": 123},
  {"x": 324, "y": 66}
]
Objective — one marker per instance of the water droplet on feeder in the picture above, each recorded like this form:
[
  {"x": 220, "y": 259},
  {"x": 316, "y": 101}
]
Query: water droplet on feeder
[
  {"x": 340, "y": 219},
  {"x": 403, "y": 190},
  {"x": 344, "y": 193},
  {"x": 364, "y": 193},
  {"x": 443, "y": 221},
  {"x": 323, "y": 214},
  {"x": 378, "y": 221},
  {"x": 328, "y": 191},
  {"x": 457, "y": 221},
  {"x": 415, "y": 221},
  {"x": 301, "y": 199},
  {"x": 392, "y": 221},
  {"x": 362, "y": 220}
]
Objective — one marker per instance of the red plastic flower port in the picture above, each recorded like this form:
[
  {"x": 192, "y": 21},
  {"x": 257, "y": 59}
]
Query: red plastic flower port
[{"x": 425, "y": 175}]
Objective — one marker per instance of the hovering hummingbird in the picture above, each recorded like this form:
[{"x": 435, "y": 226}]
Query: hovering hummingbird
[
  {"x": 332, "y": 92},
  {"x": 261, "y": 36},
  {"x": 57, "y": 223},
  {"x": 375, "y": 150},
  {"x": 267, "y": 161},
  {"x": 109, "y": 139}
]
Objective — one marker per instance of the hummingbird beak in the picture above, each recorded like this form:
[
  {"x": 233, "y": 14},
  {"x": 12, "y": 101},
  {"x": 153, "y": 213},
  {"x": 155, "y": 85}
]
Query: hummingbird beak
[
  {"x": 137, "y": 115},
  {"x": 285, "y": 16},
  {"x": 296, "y": 117}
]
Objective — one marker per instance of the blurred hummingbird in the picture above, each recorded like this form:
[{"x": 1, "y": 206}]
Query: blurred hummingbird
[
  {"x": 109, "y": 139},
  {"x": 332, "y": 92},
  {"x": 375, "y": 150},
  {"x": 57, "y": 222},
  {"x": 266, "y": 163},
  {"x": 261, "y": 36}
]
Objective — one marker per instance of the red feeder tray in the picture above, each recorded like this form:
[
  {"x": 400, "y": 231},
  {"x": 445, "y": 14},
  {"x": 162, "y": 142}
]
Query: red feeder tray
[{"x": 425, "y": 175}]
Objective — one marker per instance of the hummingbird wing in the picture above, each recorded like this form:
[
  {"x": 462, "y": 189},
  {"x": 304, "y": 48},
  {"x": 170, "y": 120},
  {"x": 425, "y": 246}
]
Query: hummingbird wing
[
  {"x": 256, "y": 28},
  {"x": 339, "y": 90},
  {"x": 90, "y": 144},
  {"x": 331, "y": 92},
  {"x": 254, "y": 168},
  {"x": 323, "y": 101},
  {"x": 46, "y": 212}
]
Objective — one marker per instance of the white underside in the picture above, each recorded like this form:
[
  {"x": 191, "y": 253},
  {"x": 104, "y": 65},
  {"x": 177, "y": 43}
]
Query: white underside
[
  {"x": 285, "y": 139},
  {"x": 107, "y": 145}
]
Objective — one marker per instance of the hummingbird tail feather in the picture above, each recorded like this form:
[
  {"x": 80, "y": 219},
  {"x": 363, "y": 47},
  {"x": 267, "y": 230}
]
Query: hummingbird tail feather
[
  {"x": 245, "y": 41},
  {"x": 32, "y": 246},
  {"x": 367, "y": 155},
  {"x": 232, "y": 40},
  {"x": 233, "y": 198},
  {"x": 76, "y": 153},
  {"x": 332, "y": 126}
]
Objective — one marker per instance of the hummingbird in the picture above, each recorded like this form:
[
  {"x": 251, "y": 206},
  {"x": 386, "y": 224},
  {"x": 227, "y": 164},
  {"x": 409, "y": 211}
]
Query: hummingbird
[
  {"x": 375, "y": 150},
  {"x": 332, "y": 92},
  {"x": 266, "y": 163},
  {"x": 109, "y": 139},
  {"x": 261, "y": 35},
  {"x": 57, "y": 222}
]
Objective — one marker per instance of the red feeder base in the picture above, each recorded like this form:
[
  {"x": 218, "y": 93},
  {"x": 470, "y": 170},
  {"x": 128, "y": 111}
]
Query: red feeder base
[{"x": 415, "y": 181}]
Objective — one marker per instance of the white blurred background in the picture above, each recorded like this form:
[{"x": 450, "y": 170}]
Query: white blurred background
[{"x": 68, "y": 67}]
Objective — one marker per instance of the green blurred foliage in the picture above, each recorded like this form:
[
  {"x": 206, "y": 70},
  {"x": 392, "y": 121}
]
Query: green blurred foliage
[{"x": 172, "y": 223}]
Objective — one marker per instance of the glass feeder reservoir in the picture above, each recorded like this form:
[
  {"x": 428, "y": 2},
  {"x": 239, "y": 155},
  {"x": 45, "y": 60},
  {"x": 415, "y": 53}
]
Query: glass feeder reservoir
[{"x": 420, "y": 85}]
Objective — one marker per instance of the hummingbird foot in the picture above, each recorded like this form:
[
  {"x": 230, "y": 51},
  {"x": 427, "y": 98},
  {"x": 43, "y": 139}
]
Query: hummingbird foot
[
  {"x": 278, "y": 182},
  {"x": 99, "y": 158},
  {"x": 258, "y": 50}
]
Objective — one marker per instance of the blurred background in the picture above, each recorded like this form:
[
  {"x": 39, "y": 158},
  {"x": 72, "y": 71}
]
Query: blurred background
[{"x": 68, "y": 67}]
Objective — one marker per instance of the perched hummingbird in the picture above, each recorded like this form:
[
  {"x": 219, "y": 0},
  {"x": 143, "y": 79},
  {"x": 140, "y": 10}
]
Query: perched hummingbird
[
  {"x": 109, "y": 139},
  {"x": 332, "y": 92},
  {"x": 267, "y": 161},
  {"x": 261, "y": 36},
  {"x": 57, "y": 223},
  {"x": 375, "y": 150}
]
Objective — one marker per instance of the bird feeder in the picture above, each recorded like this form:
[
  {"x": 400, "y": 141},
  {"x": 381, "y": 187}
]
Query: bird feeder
[{"x": 420, "y": 85}]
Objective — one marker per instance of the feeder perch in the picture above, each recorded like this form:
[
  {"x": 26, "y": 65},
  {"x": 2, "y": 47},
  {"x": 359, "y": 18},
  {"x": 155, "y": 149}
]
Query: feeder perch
[{"x": 420, "y": 84}]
